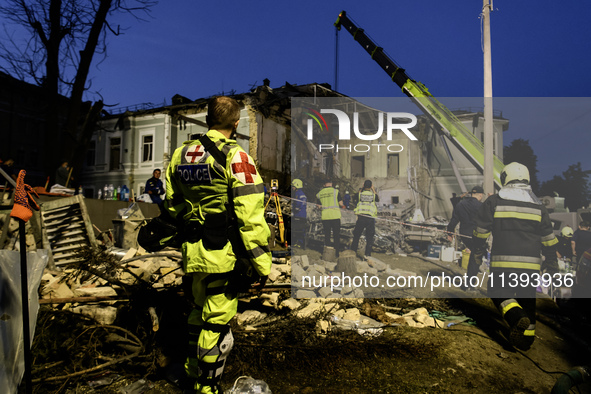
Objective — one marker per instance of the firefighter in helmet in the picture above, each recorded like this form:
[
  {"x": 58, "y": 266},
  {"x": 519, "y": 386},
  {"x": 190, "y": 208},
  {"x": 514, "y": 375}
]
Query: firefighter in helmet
[
  {"x": 299, "y": 213},
  {"x": 522, "y": 232}
]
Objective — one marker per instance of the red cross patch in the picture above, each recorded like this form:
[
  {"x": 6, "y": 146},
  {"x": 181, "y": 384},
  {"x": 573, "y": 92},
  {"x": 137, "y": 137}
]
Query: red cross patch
[
  {"x": 194, "y": 153},
  {"x": 243, "y": 168}
]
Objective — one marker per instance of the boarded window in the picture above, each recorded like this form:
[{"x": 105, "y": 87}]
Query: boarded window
[
  {"x": 393, "y": 164},
  {"x": 91, "y": 154},
  {"x": 115, "y": 154},
  {"x": 358, "y": 166}
]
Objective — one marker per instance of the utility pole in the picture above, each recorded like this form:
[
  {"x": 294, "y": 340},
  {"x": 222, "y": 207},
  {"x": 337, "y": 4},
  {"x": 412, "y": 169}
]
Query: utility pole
[{"x": 488, "y": 101}]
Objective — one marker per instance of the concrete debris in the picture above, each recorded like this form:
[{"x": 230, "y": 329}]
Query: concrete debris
[
  {"x": 290, "y": 303},
  {"x": 102, "y": 291},
  {"x": 101, "y": 313},
  {"x": 394, "y": 235},
  {"x": 249, "y": 316}
]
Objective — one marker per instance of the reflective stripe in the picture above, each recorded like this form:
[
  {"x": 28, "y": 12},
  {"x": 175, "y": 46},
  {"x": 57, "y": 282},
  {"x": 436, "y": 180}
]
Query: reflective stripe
[
  {"x": 258, "y": 251},
  {"x": 221, "y": 328},
  {"x": 210, "y": 291},
  {"x": 551, "y": 242},
  {"x": 514, "y": 264},
  {"x": 514, "y": 209},
  {"x": 481, "y": 233},
  {"x": 218, "y": 167},
  {"x": 215, "y": 351},
  {"x": 248, "y": 189},
  {"x": 531, "y": 331},
  {"x": 366, "y": 204},
  {"x": 506, "y": 305},
  {"x": 518, "y": 215},
  {"x": 521, "y": 259},
  {"x": 225, "y": 149},
  {"x": 548, "y": 237}
]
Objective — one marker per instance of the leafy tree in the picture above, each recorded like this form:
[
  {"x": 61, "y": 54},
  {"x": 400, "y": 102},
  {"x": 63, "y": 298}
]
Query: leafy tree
[
  {"x": 573, "y": 186},
  {"x": 521, "y": 152},
  {"x": 61, "y": 38}
]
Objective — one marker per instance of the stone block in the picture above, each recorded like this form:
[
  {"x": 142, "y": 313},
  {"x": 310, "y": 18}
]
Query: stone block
[
  {"x": 274, "y": 274},
  {"x": 130, "y": 253},
  {"x": 249, "y": 316},
  {"x": 283, "y": 268},
  {"x": 358, "y": 293},
  {"x": 352, "y": 314},
  {"x": 305, "y": 294},
  {"x": 324, "y": 292},
  {"x": 290, "y": 303},
  {"x": 322, "y": 326},
  {"x": 376, "y": 263},
  {"x": 270, "y": 299},
  {"x": 58, "y": 290},
  {"x": 309, "y": 310},
  {"x": 418, "y": 311}
]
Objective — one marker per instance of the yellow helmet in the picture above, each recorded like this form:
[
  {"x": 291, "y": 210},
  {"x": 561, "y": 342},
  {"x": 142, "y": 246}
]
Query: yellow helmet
[
  {"x": 297, "y": 183},
  {"x": 567, "y": 232},
  {"x": 514, "y": 172}
]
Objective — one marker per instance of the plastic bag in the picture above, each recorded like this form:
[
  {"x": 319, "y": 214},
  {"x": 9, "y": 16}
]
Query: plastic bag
[
  {"x": 248, "y": 385},
  {"x": 11, "y": 317}
]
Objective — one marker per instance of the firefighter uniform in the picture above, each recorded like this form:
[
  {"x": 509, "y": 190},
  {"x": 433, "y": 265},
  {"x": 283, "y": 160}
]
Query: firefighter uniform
[
  {"x": 331, "y": 216},
  {"x": 299, "y": 211},
  {"x": 367, "y": 211},
  {"x": 522, "y": 231},
  {"x": 199, "y": 193}
]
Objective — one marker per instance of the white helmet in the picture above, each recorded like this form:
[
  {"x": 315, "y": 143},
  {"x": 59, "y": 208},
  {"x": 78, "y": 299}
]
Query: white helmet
[{"x": 514, "y": 172}]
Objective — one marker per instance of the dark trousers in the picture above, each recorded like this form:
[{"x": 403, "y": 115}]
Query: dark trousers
[
  {"x": 473, "y": 265},
  {"x": 298, "y": 231},
  {"x": 369, "y": 225},
  {"x": 334, "y": 226}
]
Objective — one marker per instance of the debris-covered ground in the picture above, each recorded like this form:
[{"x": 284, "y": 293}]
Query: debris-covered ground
[
  {"x": 116, "y": 323},
  {"x": 352, "y": 345}
]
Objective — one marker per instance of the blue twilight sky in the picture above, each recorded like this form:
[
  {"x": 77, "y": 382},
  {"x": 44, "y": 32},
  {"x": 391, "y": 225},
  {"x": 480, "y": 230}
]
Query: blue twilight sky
[{"x": 201, "y": 48}]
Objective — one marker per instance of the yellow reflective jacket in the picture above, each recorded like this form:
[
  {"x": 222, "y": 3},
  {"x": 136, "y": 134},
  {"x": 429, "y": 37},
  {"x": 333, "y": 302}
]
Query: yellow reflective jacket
[
  {"x": 330, "y": 203},
  {"x": 367, "y": 204},
  {"x": 198, "y": 190}
]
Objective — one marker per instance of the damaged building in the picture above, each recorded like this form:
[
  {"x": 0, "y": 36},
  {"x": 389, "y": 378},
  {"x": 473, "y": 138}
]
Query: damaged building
[
  {"x": 407, "y": 174},
  {"x": 127, "y": 147},
  {"x": 409, "y": 170}
]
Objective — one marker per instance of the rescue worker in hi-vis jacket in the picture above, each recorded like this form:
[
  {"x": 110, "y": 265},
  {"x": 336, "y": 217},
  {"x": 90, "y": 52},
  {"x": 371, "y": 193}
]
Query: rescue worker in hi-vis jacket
[
  {"x": 201, "y": 193},
  {"x": 366, "y": 211},
  {"x": 522, "y": 232},
  {"x": 331, "y": 214}
]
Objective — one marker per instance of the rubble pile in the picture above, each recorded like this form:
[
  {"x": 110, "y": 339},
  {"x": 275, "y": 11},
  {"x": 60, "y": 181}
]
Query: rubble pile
[
  {"x": 104, "y": 279},
  {"x": 311, "y": 279}
]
